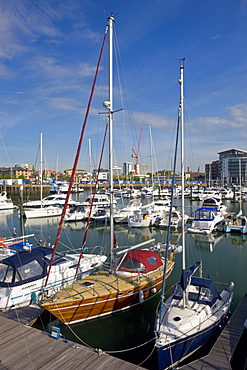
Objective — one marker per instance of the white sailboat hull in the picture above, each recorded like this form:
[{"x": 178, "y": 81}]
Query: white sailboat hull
[{"x": 185, "y": 330}]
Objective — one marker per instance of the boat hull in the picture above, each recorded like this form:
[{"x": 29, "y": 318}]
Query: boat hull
[
  {"x": 107, "y": 295},
  {"x": 172, "y": 354}
]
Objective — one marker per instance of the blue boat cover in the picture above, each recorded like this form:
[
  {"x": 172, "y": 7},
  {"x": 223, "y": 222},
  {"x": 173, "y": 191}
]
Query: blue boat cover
[
  {"x": 22, "y": 258},
  {"x": 186, "y": 275}
]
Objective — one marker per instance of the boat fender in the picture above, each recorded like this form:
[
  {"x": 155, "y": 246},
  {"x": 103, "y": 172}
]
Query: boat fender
[
  {"x": 153, "y": 290},
  {"x": 33, "y": 297},
  {"x": 141, "y": 296}
]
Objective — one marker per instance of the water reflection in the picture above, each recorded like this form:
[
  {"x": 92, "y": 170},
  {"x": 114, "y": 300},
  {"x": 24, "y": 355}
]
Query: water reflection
[{"x": 207, "y": 241}]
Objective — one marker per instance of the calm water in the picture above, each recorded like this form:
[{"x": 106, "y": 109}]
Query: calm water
[{"x": 224, "y": 260}]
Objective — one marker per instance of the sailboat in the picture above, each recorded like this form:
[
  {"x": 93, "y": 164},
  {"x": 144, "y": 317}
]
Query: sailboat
[
  {"x": 195, "y": 310},
  {"x": 134, "y": 274},
  {"x": 45, "y": 207}
]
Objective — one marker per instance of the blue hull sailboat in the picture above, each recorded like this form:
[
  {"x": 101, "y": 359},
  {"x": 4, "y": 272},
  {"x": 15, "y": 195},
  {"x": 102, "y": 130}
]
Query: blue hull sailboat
[{"x": 195, "y": 310}]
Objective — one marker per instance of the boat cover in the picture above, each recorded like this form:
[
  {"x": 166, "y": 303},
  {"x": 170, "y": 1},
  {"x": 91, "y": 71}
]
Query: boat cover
[
  {"x": 186, "y": 275},
  {"x": 141, "y": 260},
  {"x": 24, "y": 267}
]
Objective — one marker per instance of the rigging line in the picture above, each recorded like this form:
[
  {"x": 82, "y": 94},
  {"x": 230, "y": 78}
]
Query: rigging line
[
  {"x": 92, "y": 202},
  {"x": 76, "y": 158},
  {"x": 122, "y": 91},
  {"x": 109, "y": 352},
  {"x": 170, "y": 215},
  {"x": 5, "y": 148}
]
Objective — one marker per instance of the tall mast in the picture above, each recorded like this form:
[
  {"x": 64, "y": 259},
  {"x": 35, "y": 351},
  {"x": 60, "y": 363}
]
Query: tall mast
[
  {"x": 181, "y": 82},
  {"x": 41, "y": 168},
  {"x": 110, "y": 97}
]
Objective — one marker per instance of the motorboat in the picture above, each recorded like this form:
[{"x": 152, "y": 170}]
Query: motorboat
[
  {"x": 176, "y": 219},
  {"x": 50, "y": 200},
  {"x": 23, "y": 275},
  {"x": 207, "y": 217},
  {"x": 77, "y": 213},
  {"x": 5, "y": 202},
  {"x": 122, "y": 215}
]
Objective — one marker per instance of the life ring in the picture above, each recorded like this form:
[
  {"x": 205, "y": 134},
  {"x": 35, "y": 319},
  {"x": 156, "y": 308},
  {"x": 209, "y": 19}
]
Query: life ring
[{"x": 235, "y": 223}]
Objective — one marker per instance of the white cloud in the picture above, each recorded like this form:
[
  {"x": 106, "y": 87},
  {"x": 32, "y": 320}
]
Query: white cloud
[{"x": 239, "y": 114}]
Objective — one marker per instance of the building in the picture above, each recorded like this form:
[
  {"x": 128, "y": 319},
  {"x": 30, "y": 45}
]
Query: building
[
  {"x": 232, "y": 165},
  {"x": 212, "y": 172},
  {"x": 103, "y": 174},
  {"x": 127, "y": 168},
  {"x": 16, "y": 172},
  {"x": 227, "y": 169},
  {"x": 116, "y": 171},
  {"x": 78, "y": 172},
  {"x": 143, "y": 169}
]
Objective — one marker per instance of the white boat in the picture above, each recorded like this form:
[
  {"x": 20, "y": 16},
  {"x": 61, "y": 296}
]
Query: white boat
[
  {"x": 207, "y": 217},
  {"x": 77, "y": 213},
  {"x": 23, "y": 275},
  {"x": 216, "y": 203},
  {"x": 227, "y": 193},
  {"x": 122, "y": 215},
  {"x": 176, "y": 219},
  {"x": 142, "y": 217},
  {"x": 5, "y": 202},
  {"x": 192, "y": 314},
  {"x": 51, "y": 200},
  {"x": 101, "y": 215},
  {"x": 146, "y": 215},
  {"x": 46, "y": 211},
  {"x": 14, "y": 244},
  {"x": 99, "y": 200},
  {"x": 50, "y": 206}
]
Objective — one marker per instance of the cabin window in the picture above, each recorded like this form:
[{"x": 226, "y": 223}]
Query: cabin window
[
  {"x": 30, "y": 270},
  {"x": 152, "y": 260},
  {"x": 6, "y": 273},
  {"x": 87, "y": 284},
  {"x": 206, "y": 215},
  {"x": 58, "y": 259},
  {"x": 131, "y": 265}
]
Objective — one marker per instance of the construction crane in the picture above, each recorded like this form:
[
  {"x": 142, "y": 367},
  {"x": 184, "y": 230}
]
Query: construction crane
[{"x": 136, "y": 153}]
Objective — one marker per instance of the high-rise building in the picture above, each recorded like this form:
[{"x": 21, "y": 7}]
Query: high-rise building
[
  {"x": 127, "y": 168},
  {"x": 231, "y": 165}
]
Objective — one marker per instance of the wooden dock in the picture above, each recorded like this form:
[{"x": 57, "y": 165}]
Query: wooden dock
[
  {"x": 223, "y": 354},
  {"x": 23, "y": 347}
]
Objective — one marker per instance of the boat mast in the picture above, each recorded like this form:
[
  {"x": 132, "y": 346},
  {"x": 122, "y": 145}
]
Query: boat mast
[
  {"x": 181, "y": 82},
  {"x": 41, "y": 168},
  {"x": 110, "y": 117}
]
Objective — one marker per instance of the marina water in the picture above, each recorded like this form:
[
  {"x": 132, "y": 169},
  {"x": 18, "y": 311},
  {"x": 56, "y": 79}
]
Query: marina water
[{"x": 129, "y": 335}]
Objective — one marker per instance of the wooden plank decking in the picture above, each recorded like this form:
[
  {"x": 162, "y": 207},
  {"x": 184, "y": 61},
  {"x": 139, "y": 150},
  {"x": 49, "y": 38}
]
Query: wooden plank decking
[
  {"x": 223, "y": 350},
  {"x": 23, "y": 347}
]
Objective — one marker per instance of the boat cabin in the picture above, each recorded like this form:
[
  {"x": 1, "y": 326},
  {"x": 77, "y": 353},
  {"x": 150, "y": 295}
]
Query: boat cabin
[
  {"x": 25, "y": 267},
  {"x": 200, "y": 290},
  {"x": 139, "y": 261}
]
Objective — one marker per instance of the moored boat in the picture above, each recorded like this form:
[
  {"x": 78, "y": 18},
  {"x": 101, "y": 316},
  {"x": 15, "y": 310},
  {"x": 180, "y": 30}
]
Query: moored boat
[
  {"x": 192, "y": 314},
  {"x": 132, "y": 276},
  {"x": 5, "y": 202},
  {"x": 23, "y": 275}
]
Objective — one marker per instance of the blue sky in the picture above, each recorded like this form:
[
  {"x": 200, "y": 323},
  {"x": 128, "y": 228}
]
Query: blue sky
[{"x": 48, "y": 54}]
